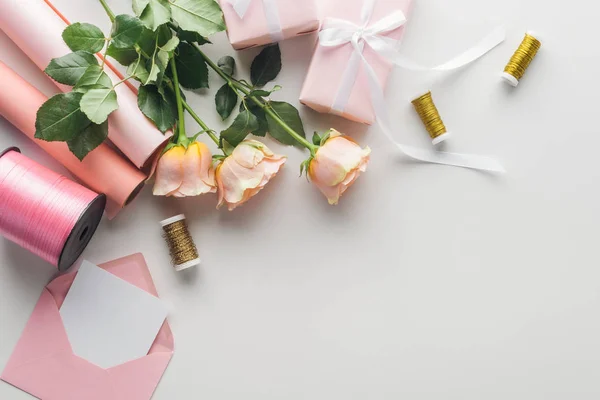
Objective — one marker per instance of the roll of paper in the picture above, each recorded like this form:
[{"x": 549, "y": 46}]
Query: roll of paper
[
  {"x": 37, "y": 29},
  {"x": 103, "y": 170}
]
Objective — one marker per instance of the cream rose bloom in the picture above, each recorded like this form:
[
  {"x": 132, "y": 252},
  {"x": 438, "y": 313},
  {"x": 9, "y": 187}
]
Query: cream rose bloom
[
  {"x": 337, "y": 164},
  {"x": 183, "y": 173},
  {"x": 246, "y": 172}
]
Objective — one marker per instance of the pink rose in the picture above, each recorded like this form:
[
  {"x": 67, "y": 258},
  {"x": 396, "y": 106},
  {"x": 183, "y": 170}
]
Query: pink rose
[
  {"x": 245, "y": 172},
  {"x": 337, "y": 164},
  {"x": 182, "y": 173}
]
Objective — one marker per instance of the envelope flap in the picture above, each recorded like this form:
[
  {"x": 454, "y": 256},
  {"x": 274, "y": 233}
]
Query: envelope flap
[
  {"x": 134, "y": 270},
  {"x": 43, "y": 336}
]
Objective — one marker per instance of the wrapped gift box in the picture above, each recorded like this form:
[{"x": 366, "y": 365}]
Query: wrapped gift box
[
  {"x": 327, "y": 67},
  {"x": 293, "y": 17}
]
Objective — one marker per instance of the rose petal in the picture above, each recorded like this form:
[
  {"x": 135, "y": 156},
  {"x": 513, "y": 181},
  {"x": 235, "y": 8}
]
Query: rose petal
[
  {"x": 246, "y": 172},
  {"x": 247, "y": 156},
  {"x": 236, "y": 179},
  {"x": 196, "y": 165},
  {"x": 169, "y": 172}
]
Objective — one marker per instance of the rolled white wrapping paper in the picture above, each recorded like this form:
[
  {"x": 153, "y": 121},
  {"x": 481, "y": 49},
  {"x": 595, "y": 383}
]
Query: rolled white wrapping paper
[{"x": 37, "y": 29}]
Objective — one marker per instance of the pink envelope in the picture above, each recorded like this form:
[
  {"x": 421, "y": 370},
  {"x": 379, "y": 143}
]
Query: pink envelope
[{"x": 43, "y": 363}]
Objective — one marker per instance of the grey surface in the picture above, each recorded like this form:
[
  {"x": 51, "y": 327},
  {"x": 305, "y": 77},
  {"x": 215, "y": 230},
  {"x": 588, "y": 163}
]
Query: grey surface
[{"x": 426, "y": 282}]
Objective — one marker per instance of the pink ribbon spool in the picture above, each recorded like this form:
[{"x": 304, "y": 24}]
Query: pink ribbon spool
[{"x": 44, "y": 212}]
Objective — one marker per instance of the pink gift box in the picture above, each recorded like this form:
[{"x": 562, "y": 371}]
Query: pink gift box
[
  {"x": 295, "y": 18},
  {"x": 327, "y": 67}
]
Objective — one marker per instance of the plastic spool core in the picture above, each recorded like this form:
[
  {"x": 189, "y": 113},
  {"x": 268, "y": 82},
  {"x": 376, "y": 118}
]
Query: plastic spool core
[
  {"x": 511, "y": 80},
  {"x": 441, "y": 138},
  {"x": 188, "y": 264},
  {"x": 82, "y": 233}
]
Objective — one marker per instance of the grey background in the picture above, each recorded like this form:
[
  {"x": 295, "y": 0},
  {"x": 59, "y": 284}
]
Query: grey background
[{"x": 426, "y": 282}]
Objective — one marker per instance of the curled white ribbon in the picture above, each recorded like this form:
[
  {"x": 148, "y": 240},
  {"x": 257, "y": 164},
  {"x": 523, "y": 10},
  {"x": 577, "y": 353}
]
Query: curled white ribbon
[
  {"x": 336, "y": 32},
  {"x": 271, "y": 14}
]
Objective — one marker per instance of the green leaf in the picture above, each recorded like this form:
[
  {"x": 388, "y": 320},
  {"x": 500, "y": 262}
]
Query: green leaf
[
  {"x": 263, "y": 125},
  {"x": 259, "y": 93},
  {"x": 288, "y": 114},
  {"x": 148, "y": 40},
  {"x": 227, "y": 65},
  {"x": 97, "y": 104},
  {"x": 316, "y": 139},
  {"x": 202, "y": 16},
  {"x": 93, "y": 77},
  {"x": 155, "y": 66},
  {"x": 156, "y": 13},
  {"x": 126, "y": 31},
  {"x": 325, "y": 137},
  {"x": 266, "y": 66},
  {"x": 241, "y": 127},
  {"x": 70, "y": 68},
  {"x": 226, "y": 147},
  {"x": 138, "y": 70},
  {"x": 304, "y": 166},
  {"x": 226, "y": 100},
  {"x": 171, "y": 44},
  {"x": 263, "y": 93},
  {"x": 191, "y": 67},
  {"x": 154, "y": 106},
  {"x": 60, "y": 118},
  {"x": 84, "y": 37},
  {"x": 123, "y": 56},
  {"x": 139, "y": 6},
  {"x": 87, "y": 140},
  {"x": 192, "y": 37}
]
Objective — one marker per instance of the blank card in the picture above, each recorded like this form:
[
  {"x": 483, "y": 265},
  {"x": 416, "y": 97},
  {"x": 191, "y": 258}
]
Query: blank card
[{"x": 108, "y": 320}]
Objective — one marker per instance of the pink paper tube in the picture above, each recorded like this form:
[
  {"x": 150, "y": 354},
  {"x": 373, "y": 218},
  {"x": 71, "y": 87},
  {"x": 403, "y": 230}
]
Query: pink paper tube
[
  {"x": 36, "y": 28},
  {"x": 326, "y": 69},
  {"x": 103, "y": 170},
  {"x": 268, "y": 21}
]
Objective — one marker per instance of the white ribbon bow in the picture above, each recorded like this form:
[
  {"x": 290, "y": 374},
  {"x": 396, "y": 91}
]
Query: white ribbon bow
[
  {"x": 271, "y": 14},
  {"x": 336, "y": 32}
]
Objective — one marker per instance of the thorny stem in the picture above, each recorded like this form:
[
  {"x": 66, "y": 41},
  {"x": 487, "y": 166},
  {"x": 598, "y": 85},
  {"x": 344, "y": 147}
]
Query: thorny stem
[
  {"x": 111, "y": 15},
  {"x": 268, "y": 110},
  {"x": 196, "y": 118},
  {"x": 182, "y": 136}
]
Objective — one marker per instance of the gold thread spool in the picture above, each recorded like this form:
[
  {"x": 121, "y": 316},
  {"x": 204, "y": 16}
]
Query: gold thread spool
[
  {"x": 430, "y": 116},
  {"x": 520, "y": 61},
  {"x": 182, "y": 248}
]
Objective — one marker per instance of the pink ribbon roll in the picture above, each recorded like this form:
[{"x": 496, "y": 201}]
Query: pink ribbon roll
[
  {"x": 103, "y": 170},
  {"x": 44, "y": 212}
]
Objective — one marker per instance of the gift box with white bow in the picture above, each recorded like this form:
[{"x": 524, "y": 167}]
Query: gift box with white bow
[
  {"x": 336, "y": 81},
  {"x": 253, "y": 23}
]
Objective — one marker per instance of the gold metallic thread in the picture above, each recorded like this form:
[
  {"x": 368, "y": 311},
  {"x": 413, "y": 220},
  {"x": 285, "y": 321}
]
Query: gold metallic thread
[
  {"x": 181, "y": 245},
  {"x": 524, "y": 55},
  {"x": 430, "y": 116}
]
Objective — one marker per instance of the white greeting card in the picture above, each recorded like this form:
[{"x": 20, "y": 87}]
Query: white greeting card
[{"x": 108, "y": 320}]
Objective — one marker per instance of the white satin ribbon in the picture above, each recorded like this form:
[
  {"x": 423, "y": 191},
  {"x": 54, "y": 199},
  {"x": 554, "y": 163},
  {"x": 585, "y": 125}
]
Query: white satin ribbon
[
  {"x": 336, "y": 32},
  {"x": 271, "y": 14}
]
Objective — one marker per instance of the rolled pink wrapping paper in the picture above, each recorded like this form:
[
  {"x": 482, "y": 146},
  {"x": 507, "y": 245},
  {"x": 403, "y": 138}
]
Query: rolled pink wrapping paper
[
  {"x": 295, "y": 18},
  {"x": 37, "y": 29},
  {"x": 328, "y": 63},
  {"x": 103, "y": 170}
]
